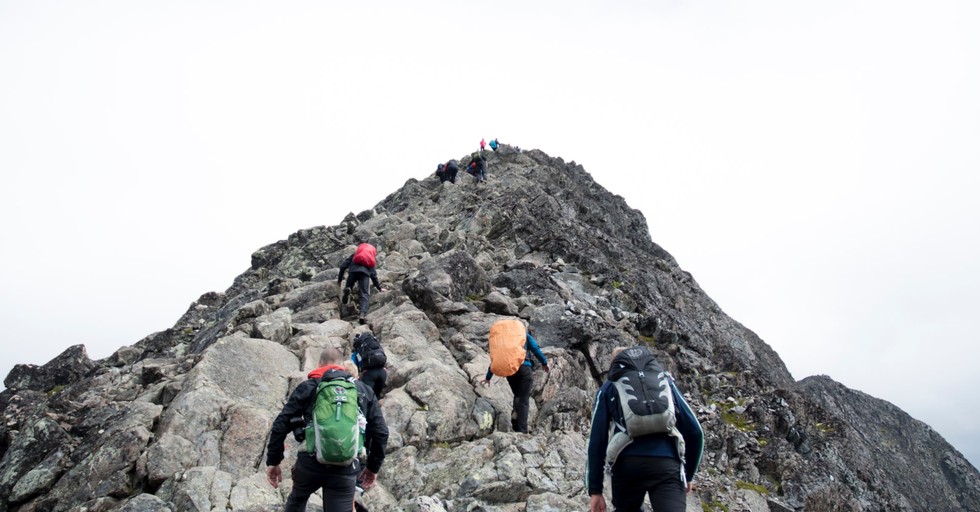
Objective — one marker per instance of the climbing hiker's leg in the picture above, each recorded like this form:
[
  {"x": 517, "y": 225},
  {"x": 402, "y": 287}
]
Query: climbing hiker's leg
[
  {"x": 338, "y": 494},
  {"x": 520, "y": 384},
  {"x": 306, "y": 481},
  {"x": 345, "y": 297},
  {"x": 364, "y": 286}
]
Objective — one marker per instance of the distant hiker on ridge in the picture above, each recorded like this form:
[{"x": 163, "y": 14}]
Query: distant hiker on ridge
[
  {"x": 483, "y": 145},
  {"x": 361, "y": 272},
  {"x": 655, "y": 449},
  {"x": 511, "y": 347},
  {"x": 478, "y": 167},
  {"x": 332, "y": 465},
  {"x": 493, "y": 145},
  {"x": 447, "y": 172},
  {"x": 452, "y": 167}
]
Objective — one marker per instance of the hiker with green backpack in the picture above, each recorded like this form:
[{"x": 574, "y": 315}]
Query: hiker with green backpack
[
  {"x": 510, "y": 347},
  {"x": 477, "y": 167},
  {"x": 644, "y": 434},
  {"x": 335, "y": 417}
]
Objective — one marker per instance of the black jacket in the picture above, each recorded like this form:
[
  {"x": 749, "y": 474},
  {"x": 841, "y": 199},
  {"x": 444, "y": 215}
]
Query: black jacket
[
  {"x": 301, "y": 403},
  {"x": 354, "y": 268}
]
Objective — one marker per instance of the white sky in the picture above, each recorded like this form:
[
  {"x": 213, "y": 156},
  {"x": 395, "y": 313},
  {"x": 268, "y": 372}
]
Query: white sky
[{"x": 815, "y": 167}]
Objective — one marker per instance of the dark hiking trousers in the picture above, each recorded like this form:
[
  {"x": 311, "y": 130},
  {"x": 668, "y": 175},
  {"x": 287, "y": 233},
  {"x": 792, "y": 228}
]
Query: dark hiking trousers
[
  {"x": 375, "y": 379},
  {"x": 363, "y": 286},
  {"x": 520, "y": 384},
  {"x": 634, "y": 477},
  {"x": 309, "y": 475}
]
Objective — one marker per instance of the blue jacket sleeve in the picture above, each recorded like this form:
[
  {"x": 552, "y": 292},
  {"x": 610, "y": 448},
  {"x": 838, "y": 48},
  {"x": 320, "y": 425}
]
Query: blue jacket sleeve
[
  {"x": 532, "y": 345},
  {"x": 598, "y": 440},
  {"x": 690, "y": 429}
]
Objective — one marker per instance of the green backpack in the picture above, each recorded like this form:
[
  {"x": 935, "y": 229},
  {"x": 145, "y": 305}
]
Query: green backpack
[{"x": 335, "y": 433}]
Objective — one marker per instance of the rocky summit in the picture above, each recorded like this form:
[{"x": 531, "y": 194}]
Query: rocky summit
[{"x": 179, "y": 421}]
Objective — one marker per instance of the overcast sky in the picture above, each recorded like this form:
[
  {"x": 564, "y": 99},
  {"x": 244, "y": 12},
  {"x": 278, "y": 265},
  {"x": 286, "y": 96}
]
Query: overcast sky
[{"x": 815, "y": 167}]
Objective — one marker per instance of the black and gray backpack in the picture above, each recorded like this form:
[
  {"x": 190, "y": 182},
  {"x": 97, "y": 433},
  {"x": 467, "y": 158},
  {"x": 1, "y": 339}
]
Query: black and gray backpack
[
  {"x": 372, "y": 354},
  {"x": 643, "y": 392}
]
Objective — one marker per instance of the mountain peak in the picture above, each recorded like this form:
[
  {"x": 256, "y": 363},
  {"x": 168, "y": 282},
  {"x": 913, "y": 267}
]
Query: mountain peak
[{"x": 178, "y": 420}]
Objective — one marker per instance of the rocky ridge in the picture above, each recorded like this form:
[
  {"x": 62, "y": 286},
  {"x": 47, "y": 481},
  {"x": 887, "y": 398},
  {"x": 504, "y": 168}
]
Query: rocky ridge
[{"x": 179, "y": 420}]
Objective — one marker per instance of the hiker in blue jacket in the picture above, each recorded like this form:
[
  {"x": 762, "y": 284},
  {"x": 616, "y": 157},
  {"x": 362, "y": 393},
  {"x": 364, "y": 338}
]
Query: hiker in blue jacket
[
  {"x": 650, "y": 464},
  {"x": 521, "y": 383},
  {"x": 338, "y": 483}
]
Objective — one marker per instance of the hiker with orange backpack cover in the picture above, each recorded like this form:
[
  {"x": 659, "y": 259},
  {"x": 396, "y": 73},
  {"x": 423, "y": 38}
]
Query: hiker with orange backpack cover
[{"x": 522, "y": 379}]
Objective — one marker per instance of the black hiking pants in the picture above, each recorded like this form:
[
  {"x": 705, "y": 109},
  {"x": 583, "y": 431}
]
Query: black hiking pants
[
  {"x": 363, "y": 282},
  {"x": 375, "y": 379},
  {"x": 634, "y": 477},
  {"x": 309, "y": 475},
  {"x": 521, "y": 383}
]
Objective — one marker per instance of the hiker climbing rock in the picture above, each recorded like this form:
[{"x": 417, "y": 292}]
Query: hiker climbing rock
[
  {"x": 447, "y": 172},
  {"x": 654, "y": 449},
  {"x": 511, "y": 347},
  {"x": 493, "y": 145},
  {"x": 329, "y": 458},
  {"x": 360, "y": 269},
  {"x": 478, "y": 167},
  {"x": 452, "y": 167},
  {"x": 369, "y": 357}
]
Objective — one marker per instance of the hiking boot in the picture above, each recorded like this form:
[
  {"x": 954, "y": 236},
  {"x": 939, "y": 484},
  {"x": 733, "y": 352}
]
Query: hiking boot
[
  {"x": 346, "y": 297},
  {"x": 362, "y": 319}
]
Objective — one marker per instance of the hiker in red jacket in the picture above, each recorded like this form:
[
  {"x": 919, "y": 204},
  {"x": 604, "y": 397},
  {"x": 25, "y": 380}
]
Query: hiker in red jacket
[{"x": 360, "y": 270}]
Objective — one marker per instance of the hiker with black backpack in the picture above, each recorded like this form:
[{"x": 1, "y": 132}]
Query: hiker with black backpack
[
  {"x": 336, "y": 418},
  {"x": 511, "y": 347},
  {"x": 450, "y": 170},
  {"x": 644, "y": 434},
  {"x": 447, "y": 171},
  {"x": 360, "y": 269},
  {"x": 369, "y": 357}
]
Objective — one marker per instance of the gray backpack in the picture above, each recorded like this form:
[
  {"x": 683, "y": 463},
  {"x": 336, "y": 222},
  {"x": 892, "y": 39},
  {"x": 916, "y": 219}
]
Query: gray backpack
[{"x": 644, "y": 394}]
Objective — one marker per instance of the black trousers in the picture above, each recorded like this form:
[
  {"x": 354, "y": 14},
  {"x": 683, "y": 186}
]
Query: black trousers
[
  {"x": 375, "y": 378},
  {"x": 521, "y": 383},
  {"x": 633, "y": 478},
  {"x": 309, "y": 475},
  {"x": 363, "y": 282}
]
